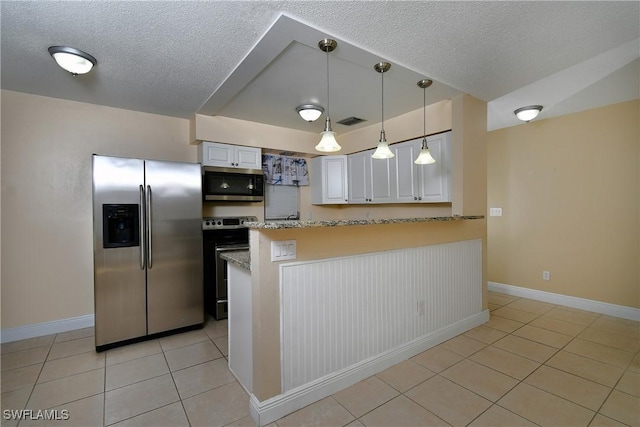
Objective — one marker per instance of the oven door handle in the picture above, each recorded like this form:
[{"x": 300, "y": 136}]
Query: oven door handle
[{"x": 232, "y": 248}]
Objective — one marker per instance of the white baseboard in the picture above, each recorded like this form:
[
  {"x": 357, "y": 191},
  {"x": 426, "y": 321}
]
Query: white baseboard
[
  {"x": 46, "y": 328},
  {"x": 614, "y": 310},
  {"x": 279, "y": 406}
]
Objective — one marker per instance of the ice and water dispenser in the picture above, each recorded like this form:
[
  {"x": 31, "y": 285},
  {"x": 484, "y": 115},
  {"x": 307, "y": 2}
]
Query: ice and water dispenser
[{"x": 121, "y": 225}]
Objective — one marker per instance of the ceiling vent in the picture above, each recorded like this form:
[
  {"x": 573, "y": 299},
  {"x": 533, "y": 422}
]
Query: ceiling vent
[{"x": 350, "y": 121}]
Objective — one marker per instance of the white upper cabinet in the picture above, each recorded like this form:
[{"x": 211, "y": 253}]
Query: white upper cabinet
[
  {"x": 359, "y": 169},
  {"x": 381, "y": 179},
  {"x": 329, "y": 180},
  {"x": 405, "y": 172},
  {"x": 369, "y": 179},
  {"x": 435, "y": 179},
  {"x": 229, "y": 156},
  {"x": 422, "y": 183},
  {"x": 360, "y": 179}
]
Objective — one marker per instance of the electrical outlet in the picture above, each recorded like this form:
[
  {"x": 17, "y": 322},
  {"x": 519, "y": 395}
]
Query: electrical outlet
[
  {"x": 420, "y": 308},
  {"x": 546, "y": 275},
  {"x": 495, "y": 211}
]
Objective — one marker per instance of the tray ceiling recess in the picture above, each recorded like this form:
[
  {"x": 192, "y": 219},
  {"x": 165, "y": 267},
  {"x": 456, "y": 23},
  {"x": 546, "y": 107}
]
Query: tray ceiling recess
[{"x": 263, "y": 89}]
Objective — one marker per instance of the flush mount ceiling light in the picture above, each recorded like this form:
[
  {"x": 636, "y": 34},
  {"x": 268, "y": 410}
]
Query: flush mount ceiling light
[
  {"x": 382, "y": 151},
  {"x": 310, "y": 112},
  {"x": 328, "y": 143},
  {"x": 526, "y": 114},
  {"x": 73, "y": 60},
  {"x": 424, "y": 158}
]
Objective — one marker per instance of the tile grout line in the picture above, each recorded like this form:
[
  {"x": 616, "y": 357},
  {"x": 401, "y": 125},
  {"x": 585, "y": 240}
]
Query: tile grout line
[
  {"x": 104, "y": 393},
  {"x": 38, "y": 377}
]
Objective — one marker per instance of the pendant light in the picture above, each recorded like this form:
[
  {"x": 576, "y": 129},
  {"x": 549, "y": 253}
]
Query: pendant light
[
  {"x": 328, "y": 143},
  {"x": 382, "y": 151},
  {"x": 424, "y": 158}
]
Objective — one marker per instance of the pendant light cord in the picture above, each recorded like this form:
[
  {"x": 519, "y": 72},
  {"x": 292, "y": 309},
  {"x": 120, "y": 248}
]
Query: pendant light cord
[
  {"x": 424, "y": 121},
  {"x": 382, "y": 76},
  {"x": 328, "y": 103},
  {"x": 424, "y": 109}
]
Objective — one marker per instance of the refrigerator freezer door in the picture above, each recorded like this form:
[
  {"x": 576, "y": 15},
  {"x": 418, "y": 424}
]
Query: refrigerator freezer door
[
  {"x": 174, "y": 263},
  {"x": 119, "y": 279}
]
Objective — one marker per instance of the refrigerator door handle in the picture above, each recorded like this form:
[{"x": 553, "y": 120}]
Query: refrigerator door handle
[
  {"x": 148, "y": 223},
  {"x": 143, "y": 255}
]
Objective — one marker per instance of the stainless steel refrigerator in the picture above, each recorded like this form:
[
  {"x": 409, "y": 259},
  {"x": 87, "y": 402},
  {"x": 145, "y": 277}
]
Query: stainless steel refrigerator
[{"x": 147, "y": 228}]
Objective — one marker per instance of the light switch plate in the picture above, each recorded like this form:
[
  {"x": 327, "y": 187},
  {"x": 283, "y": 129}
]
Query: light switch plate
[
  {"x": 495, "y": 211},
  {"x": 283, "y": 250}
]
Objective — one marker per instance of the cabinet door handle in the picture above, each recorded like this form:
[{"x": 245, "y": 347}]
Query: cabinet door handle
[
  {"x": 415, "y": 198},
  {"x": 419, "y": 198}
]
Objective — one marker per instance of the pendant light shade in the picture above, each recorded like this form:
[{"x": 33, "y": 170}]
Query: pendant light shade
[
  {"x": 425, "y": 157},
  {"x": 73, "y": 60},
  {"x": 382, "y": 151},
  {"x": 328, "y": 143}
]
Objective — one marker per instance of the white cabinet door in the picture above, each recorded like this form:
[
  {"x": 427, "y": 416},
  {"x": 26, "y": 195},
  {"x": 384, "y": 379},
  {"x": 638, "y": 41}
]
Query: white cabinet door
[
  {"x": 422, "y": 183},
  {"x": 369, "y": 179},
  {"x": 229, "y": 156},
  {"x": 329, "y": 180},
  {"x": 382, "y": 180},
  {"x": 359, "y": 167},
  {"x": 215, "y": 154},
  {"x": 405, "y": 189},
  {"x": 248, "y": 157},
  {"x": 435, "y": 182}
]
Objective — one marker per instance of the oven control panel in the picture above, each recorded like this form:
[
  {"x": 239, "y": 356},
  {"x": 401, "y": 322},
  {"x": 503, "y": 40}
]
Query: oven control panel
[{"x": 215, "y": 223}]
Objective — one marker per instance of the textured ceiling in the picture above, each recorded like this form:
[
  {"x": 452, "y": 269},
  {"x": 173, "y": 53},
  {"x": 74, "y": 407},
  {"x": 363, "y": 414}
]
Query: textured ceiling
[{"x": 180, "y": 58}]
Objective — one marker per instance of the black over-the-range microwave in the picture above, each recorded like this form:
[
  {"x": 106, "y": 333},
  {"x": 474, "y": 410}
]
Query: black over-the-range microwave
[{"x": 232, "y": 184}]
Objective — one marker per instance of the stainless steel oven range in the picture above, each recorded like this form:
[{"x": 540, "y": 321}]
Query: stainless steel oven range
[{"x": 220, "y": 234}]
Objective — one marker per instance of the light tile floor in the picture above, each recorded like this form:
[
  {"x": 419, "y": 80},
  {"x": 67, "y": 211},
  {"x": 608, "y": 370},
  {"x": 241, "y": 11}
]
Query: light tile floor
[{"x": 532, "y": 364}]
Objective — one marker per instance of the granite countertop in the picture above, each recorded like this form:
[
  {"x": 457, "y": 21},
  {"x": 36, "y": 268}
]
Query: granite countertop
[
  {"x": 238, "y": 258},
  {"x": 273, "y": 225}
]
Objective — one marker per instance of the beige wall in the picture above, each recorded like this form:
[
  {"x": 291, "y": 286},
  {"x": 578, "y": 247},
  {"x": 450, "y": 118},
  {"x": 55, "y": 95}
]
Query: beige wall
[
  {"x": 570, "y": 192},
  {"x": 253, "y": 134},
  {"x": 402, "y": 128},
  {"x": 47, "y": 246},
  {"x": 469, "y": 154}
]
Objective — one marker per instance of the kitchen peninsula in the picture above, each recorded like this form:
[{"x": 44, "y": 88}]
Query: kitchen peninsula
[{"x": 361, "y": 295}]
